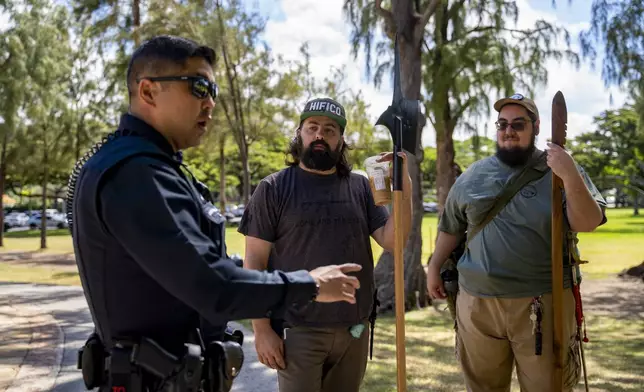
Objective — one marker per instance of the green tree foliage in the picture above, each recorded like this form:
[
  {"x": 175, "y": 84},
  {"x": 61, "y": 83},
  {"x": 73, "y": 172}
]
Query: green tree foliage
[
  {"x": 259, "y": 91},
  {"x": 619, "y": 26},
  {"x": 612, "y": 154},
  {"x": 14, "y": 73},
  {"x": 91, "y": 113},
  {"x": 428, "y": 171},
  {"x": 458, "y": 53},
  {"x": 472, "y": 149},
  {"x": 40, "y": 110}
]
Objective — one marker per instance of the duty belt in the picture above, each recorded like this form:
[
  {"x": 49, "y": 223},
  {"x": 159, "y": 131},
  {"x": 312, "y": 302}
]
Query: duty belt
[{"x": 135, "y": 365}]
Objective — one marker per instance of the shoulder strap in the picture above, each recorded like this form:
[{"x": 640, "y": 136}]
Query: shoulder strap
[{"x": 532, "y": 171}]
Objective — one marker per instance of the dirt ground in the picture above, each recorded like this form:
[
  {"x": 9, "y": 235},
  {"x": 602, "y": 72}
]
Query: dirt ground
[{"x": 618, "y": 297}]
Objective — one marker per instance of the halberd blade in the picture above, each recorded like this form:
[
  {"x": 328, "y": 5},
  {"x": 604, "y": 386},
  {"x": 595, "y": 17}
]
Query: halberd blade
[{"x": 407, "y": 110}]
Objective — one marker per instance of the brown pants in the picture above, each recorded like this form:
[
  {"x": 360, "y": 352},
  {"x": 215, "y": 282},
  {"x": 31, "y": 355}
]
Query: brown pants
[
  {"x": 323, "y": 360},
  {"x": 494, "y": 334}
]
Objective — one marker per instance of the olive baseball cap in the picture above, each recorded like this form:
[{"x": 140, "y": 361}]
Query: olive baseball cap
[
  {"x": 518, "y": 99},
  {"x": 326, "y": 107}
]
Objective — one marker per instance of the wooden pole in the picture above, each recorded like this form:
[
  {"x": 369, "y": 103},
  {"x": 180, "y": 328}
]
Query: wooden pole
[
  {"x": 559, "y": 120},
  {"x": 399, "y": 263},
  {"x": 557, "y": 283},
  {"x": 399, "y": 276}
]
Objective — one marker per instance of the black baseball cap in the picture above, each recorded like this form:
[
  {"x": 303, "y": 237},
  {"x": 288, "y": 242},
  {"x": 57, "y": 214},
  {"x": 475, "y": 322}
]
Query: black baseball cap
[{"x": 326, "y": 107}]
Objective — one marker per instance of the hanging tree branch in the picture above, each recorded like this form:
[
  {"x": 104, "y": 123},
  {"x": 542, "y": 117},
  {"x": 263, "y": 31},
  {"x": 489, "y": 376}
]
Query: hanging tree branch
[
  {"x": 423, "y": 18},
  {"x": 386, "y": 15}
]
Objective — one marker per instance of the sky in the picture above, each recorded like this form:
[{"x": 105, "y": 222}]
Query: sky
[{"x": 321, "y": 23}]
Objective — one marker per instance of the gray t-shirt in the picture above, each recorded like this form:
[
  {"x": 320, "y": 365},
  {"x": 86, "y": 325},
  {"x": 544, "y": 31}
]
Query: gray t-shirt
[
  {"x": 315, "y": 220},
  {"x": 511, "y": 256}
]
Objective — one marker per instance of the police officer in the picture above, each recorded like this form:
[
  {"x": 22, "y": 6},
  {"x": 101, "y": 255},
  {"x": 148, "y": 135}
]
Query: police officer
[{"x": 146, "y": 240}]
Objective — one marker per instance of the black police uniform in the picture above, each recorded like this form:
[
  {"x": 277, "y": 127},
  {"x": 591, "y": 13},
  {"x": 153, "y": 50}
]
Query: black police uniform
[{"x": 146, "y": 245}]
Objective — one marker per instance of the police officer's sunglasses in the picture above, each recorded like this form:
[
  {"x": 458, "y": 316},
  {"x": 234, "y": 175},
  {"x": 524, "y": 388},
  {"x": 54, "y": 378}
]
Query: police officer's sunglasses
[{"x": 200, "y": 87}]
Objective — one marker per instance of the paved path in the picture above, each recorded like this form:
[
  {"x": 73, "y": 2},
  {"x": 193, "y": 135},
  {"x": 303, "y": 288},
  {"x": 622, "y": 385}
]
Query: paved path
[{"x": 42, "y": 327}]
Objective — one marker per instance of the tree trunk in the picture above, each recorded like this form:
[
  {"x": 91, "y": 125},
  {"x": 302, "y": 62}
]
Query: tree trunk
[
  {"x": 136, "y": 21},
  {"x": 80, "y": 129},
  {"x": 444, "y": 123},
  {"x": 222, "y": 174},
  {"x": 3, "y": 177},
  {"x": 43, "y": 215},
  {"x": 636, "y": 209},
  {"x": 445, "y": 173},
  {"x": 246, "y": 172},
  {"x": 415, "y": 278}
]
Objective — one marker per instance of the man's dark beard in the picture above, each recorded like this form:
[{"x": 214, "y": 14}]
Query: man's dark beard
[
  {"x": 320, "y": 160},
  {"x": 515, "y": 156}
]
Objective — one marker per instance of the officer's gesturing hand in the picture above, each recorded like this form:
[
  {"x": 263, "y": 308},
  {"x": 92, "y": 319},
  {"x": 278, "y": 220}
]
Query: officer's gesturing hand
[{"x": 334, "y": 284}]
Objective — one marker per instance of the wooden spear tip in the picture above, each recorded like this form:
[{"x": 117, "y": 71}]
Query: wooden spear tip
[{"x": 559, "y": 97}]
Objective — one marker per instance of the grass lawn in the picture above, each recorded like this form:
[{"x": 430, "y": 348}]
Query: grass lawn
[
  {"x": 615, "y": 246},
  {"x": 612, "y": 248},
  {"x": 614, "y": 355},
  {"x": 58, "y": 241}
]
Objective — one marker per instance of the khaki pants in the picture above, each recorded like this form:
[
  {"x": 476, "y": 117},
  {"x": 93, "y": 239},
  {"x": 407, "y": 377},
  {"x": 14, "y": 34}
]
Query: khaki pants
[
  {"x": 494, "y": 334},
  {"x": 323, "y": 360}
]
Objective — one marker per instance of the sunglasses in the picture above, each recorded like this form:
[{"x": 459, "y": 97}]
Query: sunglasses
[
  {"x": 200, "y": 87},
  {"x": 518, "y": 126}
]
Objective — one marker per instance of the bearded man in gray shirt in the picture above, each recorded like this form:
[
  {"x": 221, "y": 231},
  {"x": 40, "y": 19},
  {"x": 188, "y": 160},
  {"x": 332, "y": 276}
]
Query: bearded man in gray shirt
[{"x": 505, "y": 271}]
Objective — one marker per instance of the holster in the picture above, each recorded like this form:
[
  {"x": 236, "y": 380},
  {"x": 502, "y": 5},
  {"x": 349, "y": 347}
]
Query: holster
[
  {"x": 91, "y": 361},
  {"x": 224, "y": 361},
  {"x": 449, "y": 276}
]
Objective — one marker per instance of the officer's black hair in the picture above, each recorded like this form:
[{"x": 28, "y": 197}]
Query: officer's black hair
[{"x": 161, "y": 52}]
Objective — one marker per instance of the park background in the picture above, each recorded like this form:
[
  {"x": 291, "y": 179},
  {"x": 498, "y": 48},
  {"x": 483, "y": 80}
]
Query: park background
[{"x": 62, "y": 66}]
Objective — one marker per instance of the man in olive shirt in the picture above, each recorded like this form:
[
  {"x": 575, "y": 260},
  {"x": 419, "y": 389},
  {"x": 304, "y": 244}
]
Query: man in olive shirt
[
  {"x": 506, "y": 269},
  {"x": 315, "y": 213}
]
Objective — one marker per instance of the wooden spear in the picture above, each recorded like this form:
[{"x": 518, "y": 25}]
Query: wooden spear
[{"x": 559, "y": 126}]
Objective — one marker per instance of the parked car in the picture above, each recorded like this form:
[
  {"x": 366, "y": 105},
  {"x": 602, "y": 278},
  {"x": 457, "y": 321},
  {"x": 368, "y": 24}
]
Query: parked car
[
  {"x": 233, "y": 214},
  {"x": 430, "y": 207},
  {"x": 54, "y": 219},
  {"x": 16, "y": 219}
]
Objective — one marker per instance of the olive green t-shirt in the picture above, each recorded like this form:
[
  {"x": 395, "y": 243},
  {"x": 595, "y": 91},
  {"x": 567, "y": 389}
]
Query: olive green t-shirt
[{"x": 511, "y": 256}]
